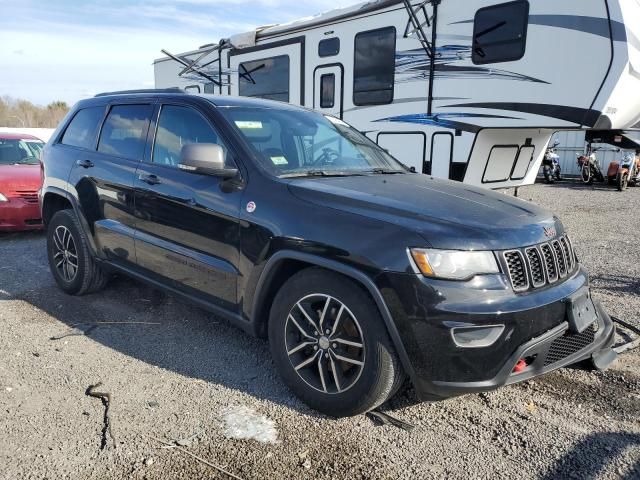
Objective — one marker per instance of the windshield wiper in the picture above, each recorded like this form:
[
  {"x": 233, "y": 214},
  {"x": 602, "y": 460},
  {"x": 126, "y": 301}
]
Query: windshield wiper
[
  {"x": 385, "y": 171},
  {"x": 320, "y": 173}
]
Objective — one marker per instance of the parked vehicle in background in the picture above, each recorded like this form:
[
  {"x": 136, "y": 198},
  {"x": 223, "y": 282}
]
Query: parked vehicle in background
[
  {"x": 590, "y": 167},
  {"x": 551, "y": 164},
  {"x": 457, "y": 89},
  {"x": 625, "y": 172},
  {"x": 20, "y": 181},
  {"x": 294, "y": 226}
]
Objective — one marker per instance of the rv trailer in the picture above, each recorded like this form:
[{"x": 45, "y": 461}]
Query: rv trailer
[{"x": 470, "y": 90}]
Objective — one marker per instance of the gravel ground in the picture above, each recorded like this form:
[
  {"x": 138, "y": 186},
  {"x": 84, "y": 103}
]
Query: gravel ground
[{"x": 178, "y": 373}]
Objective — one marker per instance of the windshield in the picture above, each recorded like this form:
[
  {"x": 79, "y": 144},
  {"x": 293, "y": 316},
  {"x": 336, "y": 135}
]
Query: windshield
[
  {"x": 15, "y": 151},
  {"x": 292, "y": 143}
]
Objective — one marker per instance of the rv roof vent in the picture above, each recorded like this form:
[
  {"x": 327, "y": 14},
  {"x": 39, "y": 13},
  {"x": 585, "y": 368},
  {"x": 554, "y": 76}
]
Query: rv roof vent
[{"x": 147, "y": 90}]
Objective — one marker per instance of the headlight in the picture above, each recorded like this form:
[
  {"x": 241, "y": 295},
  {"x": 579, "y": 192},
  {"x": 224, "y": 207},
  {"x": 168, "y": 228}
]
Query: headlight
[
  {"x": 453, "y": 264},
  {"x": 3, "y": 198}
]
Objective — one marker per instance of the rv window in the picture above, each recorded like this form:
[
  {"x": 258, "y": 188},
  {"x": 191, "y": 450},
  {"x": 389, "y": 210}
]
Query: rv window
[
  {"x": 82, "y": 130},
  {"x": 500, "y": 32},
  {"x": 374, "y": 67},
  {"x": 329, "y": 47},
  {"x": 209, "y": 87},
  {"x": 267, "y": 78},
  {"x": 124, "y": 133},
  {"x": 327, "y": 90}
]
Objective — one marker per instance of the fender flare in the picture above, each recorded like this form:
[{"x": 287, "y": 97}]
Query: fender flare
[
  {"x": 77, "y": 210},
  {"x": 348, "y": 271}
]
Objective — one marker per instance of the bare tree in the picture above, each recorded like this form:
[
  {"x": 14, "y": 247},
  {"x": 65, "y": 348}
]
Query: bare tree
[{"x": 22, "y": 113}]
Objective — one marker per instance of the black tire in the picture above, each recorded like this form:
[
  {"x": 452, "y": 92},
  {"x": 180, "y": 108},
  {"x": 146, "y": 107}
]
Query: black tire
[
  {"x": 359, "y": 388},
  {"x": 622, "y": 182},
  {"x": 86, "y": 276},
  {"x": 548, "y": 178},
  {"x": 586, "y": 174}
]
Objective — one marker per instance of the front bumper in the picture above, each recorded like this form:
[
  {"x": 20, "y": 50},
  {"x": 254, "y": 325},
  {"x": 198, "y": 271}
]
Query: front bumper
[
  {"x": 19, "y": 214},
  {"x": 536, "y": 328}
]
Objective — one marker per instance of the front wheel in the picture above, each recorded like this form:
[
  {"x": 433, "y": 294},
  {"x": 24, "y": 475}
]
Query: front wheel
[
  {"x": 548, "y": 178},
  {"x": 71, "y": 263},
  {"x": 330, "y": 345},
  {"x": 623, "y": 181}
]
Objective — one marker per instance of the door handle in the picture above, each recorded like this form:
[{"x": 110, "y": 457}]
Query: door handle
[
  {"x": 85, "y": 163},
  {"x": 149, "y": 179}
]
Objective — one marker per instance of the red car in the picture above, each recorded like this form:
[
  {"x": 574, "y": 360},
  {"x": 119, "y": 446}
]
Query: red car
[{"x": 20, "y": 180}]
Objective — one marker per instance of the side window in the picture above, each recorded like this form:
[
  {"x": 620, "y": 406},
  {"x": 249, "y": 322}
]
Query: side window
[
  {"x": 83, "y": 128},
  {"x": 374, "y": 67},
  {"x": 125, "y": 131},
  {"x": 500, "y": 32},
  {"x": 327, "y": 90},
  {"x": 267, "y": 78},
  {"x": 329, "y": 47},
  {"x": 179, "y": 126}
]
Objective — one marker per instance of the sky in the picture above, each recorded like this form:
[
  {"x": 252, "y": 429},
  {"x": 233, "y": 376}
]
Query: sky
[{"x": 67, "y": 50}]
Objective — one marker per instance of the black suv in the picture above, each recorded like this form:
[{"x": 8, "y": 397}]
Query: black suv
[{"x": 296, "y": 227}]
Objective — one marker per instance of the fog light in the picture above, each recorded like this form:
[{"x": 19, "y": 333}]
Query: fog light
[{"x": 476, "y": 337}]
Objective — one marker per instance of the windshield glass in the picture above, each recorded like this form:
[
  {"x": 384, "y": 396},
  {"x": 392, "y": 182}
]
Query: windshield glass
[
  {"x": 14, "y": 151},
  {"x": 293, "y": 143}
]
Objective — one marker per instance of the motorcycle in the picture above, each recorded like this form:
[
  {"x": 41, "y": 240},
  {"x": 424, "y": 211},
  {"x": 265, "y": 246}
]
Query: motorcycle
[
  {"x": 551, "y": 164},
  {"x": 590, "y": 167},
  {"x": 625, "y": 172}
]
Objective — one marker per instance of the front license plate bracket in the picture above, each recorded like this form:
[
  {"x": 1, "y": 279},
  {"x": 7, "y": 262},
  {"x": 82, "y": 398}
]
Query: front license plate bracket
[{"x": 581, "y": 312}]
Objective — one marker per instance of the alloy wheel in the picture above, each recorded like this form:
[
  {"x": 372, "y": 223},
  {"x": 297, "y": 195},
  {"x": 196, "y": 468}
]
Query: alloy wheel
[
  {"x": 325, "y": 344},
  {"x": 65, "y": 254}
]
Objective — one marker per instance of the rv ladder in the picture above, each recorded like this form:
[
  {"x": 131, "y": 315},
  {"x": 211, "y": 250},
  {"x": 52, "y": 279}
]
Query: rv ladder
[{"x": 415, "y": 26}]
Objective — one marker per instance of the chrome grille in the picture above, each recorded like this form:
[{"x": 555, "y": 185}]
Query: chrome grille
[
  {"x": 517, "y": 270},
  {"x": 562, "y": 263},
  {"x": 566, "y": 247},
  {"x": 536, "y": 267},
  {"x": 540, "y": 265},
  {"x": 549, "y": 262}
]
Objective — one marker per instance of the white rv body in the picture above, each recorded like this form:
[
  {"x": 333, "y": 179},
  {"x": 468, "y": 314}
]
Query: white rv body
[{"x": 489, "y": 123}]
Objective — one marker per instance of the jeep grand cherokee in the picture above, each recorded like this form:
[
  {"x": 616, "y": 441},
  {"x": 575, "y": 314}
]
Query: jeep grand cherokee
[{"x": 296, "y": 227}]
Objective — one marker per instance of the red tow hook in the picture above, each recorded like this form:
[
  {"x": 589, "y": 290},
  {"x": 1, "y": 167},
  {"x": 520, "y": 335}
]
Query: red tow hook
[{"x": 520, "y": 366}]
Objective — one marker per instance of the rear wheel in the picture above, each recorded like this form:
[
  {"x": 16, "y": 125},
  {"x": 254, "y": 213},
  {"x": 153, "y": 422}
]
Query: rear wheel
[
  {"x": 71, "y": 263},
  {"x": 330, "y": 345},
  {"x": 586, "y": 174}
]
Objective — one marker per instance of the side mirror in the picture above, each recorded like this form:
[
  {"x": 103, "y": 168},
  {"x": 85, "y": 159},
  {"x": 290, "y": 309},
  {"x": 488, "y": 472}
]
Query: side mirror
[{"x": 206, "y": 159}]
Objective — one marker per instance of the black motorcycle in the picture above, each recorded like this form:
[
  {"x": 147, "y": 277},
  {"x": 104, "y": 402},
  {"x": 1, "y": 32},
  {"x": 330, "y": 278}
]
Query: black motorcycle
[{"x": 551, "y": 165}]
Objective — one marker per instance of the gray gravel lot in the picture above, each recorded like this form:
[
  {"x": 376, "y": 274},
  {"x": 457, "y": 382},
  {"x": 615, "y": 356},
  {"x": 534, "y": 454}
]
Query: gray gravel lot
[{"x": 178, "y": 372}]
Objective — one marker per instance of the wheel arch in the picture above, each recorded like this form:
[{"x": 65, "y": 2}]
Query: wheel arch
[
  {"x": 55, "y": 199},
  {"x": 285, "y": 263}
]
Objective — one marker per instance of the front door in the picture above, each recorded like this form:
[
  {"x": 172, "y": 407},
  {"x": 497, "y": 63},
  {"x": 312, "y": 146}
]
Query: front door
[
  {"x": 187, "y": 223},
  {"x": 327, "y": 89},
  {"x": 274, "y": 73}
]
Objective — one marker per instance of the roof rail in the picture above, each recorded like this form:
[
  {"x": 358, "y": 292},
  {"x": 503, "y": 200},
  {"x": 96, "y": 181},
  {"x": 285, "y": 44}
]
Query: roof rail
[{"x": 146, "y": 90}]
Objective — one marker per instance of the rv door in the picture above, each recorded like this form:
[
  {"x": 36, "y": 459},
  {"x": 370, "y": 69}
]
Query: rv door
[
  {"x": 327, "y": 89},
  {"x": 271, "y": 72}
]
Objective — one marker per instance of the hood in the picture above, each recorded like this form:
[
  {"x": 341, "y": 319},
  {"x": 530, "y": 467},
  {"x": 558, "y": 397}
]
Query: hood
[
  {"x": 446, "y": 214},
  {"x": 19, "y": 177}
]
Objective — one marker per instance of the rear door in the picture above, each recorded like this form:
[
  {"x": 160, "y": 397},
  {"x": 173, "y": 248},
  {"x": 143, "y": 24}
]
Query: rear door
[
  {"x": 103, "y": 179},
  {"x": 187, "y": 223},
  {"x": 274, "y": 73}
]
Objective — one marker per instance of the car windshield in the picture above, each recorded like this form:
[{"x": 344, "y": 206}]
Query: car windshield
[
  {"x": 17, "y": 151},
  {"x": 297, "y": 143}
]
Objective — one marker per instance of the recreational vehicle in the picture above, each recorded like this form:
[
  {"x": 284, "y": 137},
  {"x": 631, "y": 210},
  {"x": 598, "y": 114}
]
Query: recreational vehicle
[{"x": 470, "y": 90}]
